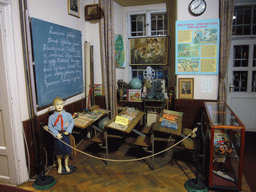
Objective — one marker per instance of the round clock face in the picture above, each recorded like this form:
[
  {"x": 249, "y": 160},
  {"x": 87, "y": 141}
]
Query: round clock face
[{"x": 197, "y": 7}]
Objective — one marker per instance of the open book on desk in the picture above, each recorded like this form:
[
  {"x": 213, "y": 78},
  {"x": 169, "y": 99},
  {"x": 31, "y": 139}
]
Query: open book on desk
[
  {"x": 82, "y": 122},
  {"x": 118, "y": 126},
  {"x": 85, "y": 119}
]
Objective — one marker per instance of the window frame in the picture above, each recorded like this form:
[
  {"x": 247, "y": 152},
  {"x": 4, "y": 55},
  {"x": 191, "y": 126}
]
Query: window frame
[
  {"x": 148, "y": 22},
  {"x": 241, "y": 3}
]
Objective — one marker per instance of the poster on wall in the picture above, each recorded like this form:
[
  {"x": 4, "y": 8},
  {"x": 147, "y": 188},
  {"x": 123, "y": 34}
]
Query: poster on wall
[
  {"x": 197, "y": 47},
  {"x": 119, "y": 51}
]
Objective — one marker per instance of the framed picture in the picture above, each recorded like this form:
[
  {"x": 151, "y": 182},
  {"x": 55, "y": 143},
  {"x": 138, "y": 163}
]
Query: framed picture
[
  {"x": 148, "y": 51},
  {"x": 74, "y": 8},
  {"x": 186, "y": 88},
  {"x": 98, "y": 90},
  {"x": 134, "y": 95},
  {"x": 92, "y": 11}
]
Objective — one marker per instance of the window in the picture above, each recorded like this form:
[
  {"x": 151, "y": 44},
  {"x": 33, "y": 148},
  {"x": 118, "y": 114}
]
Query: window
[
  {"x": 148, "y": 24},
  {"x": 244, "y": 20},
  {"x": 244, "y": 48}
]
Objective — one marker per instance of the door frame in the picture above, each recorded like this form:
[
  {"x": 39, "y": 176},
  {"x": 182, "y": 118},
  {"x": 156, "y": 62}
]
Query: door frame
[{"x": 16, "y": 132}]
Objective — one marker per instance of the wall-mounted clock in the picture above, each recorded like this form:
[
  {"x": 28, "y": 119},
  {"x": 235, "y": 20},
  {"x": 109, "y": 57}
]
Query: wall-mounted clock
[{"x": 197, "y": 7}]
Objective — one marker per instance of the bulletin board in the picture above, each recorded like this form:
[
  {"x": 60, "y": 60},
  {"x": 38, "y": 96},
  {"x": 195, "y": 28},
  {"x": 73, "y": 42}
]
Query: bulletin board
[
  {"x": 57, "y": 54},
  {"x": 197, "y": 47}
]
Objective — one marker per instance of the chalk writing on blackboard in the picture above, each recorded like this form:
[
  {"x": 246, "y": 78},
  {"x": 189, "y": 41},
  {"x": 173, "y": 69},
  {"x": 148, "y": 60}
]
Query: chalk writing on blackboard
[{"x": 57, "y": 54}]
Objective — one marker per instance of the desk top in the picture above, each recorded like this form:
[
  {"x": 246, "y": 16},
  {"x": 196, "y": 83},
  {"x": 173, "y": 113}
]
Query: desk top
[
  {"x": 159, "y": 128},
  {"x": 84, "y": 120},
  {"x": 131, "y": 125}
]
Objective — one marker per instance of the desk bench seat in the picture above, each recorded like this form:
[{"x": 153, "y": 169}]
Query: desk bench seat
[{"x": 144, "y": 141}]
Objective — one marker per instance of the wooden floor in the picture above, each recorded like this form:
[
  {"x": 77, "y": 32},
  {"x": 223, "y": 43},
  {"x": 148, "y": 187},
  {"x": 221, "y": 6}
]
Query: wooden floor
[{"x": 94, "y": 175}]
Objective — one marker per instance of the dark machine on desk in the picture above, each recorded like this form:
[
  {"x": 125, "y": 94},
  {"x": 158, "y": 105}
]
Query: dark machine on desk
[
  {"x": 156, "y": 90},
  {"x": 122, "y": 88}
]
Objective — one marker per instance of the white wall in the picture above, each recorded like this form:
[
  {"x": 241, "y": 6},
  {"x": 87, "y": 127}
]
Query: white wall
[
  {"x": 211, "y": 12},
  {"x": 125, "y": 74},
  {"x": 57, "y": 12},
  {"x": 119, "y": 29}
]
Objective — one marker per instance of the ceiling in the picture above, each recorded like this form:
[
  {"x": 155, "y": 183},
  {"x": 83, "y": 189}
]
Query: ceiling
[{"x": 126, "y": 3}]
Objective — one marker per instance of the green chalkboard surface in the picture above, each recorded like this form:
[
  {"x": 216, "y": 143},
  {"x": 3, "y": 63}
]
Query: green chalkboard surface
[{"x": 57, "y": 52}]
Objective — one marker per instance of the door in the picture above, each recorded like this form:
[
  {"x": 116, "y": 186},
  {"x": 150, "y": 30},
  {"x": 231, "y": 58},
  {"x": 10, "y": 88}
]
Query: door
[
  {"x": 241, "y": 88},
  {"x": 7, "y": 157}
]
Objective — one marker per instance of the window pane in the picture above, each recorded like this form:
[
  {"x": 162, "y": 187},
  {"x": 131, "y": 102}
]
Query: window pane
[
  {"x": 241, "y": 55},
  {"x": 243, "y": 20},
  {"x": 138, "y": 25},
  {"x": 158, "y": 24},
  {"x": 247, "y": 17},
  {"x": 254, "y": 15},
  {"x": 254, "y": 81},
  {"x": 254, "y": 56},
  {"x": 240, "y": 81},
  {"x": 247, "y": 30}
]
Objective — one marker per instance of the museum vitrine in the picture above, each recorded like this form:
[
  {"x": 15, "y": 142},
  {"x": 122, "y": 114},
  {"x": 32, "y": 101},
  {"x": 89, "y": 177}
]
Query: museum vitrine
[{"x": 224, "y": 148}]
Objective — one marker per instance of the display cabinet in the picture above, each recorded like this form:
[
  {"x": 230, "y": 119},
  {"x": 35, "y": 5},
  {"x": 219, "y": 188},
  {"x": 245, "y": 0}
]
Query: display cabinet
[{"x": 224, "y": 147}]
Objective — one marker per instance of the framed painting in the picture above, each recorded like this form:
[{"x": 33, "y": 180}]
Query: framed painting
[
  {"x": 186, "y": 88},
  {"x": 74, "y": 8},
  {"x": 148, "y": 51},
  {"x": 92, "y": 12}
]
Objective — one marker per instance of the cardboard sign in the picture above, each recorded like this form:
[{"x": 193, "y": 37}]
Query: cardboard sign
[{"x": 122, "y": 120}]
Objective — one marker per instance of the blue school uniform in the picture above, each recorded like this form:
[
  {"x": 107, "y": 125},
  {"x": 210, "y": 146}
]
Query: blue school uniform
[{"x": 59, "y": 123}]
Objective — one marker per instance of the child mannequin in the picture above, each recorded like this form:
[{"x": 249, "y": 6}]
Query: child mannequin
[{"x": 61, "y": 125}]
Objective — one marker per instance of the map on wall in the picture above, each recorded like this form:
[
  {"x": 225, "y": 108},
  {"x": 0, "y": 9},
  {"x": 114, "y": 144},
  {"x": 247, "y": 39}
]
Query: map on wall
[
  {"x": 119, "y": 51},
  {"x": 197, "y": 47}
]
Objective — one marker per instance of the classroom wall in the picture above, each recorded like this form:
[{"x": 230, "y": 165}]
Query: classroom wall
[
  {"x": 56, "y": 12},
  {"x": 201, "y": 89},
  {"x": 211, "y": 12},
  {"x": 119, "y": 29},
  {"x": 125, "y": 74}
]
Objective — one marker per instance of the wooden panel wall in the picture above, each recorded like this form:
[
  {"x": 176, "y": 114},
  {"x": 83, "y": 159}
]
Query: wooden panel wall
[{"x": 191, "y": 111}]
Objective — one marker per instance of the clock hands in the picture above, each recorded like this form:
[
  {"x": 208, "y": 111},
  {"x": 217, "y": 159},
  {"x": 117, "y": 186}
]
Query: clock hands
[{"x": 198, "y": 5}]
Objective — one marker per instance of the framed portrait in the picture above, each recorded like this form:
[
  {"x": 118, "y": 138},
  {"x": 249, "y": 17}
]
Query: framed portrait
[
  {"x": 74, "y": 8},
  {"x": 92, "y": 11},
  {"x": 186, "y": 88},
  {"x": 149, "y": 51}
]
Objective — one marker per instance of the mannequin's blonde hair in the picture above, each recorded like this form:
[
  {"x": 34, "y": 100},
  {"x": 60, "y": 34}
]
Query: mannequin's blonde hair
[{"x": 56, "y": 100}]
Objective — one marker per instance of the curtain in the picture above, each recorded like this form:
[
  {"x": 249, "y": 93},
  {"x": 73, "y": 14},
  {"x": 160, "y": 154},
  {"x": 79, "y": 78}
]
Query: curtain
[
  {"x": 107, "y": 46},
  {"x": 226, "y": 21}
]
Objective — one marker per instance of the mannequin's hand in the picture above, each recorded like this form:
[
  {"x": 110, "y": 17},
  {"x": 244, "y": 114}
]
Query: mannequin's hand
[
  {"x": 59, "y": 136},
  {"x": 66, "y": 133}
]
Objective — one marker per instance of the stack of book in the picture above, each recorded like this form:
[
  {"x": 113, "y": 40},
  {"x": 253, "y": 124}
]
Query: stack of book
[
  {"x": 170, "y": 119},
  {"x": 130, "y": 113}
]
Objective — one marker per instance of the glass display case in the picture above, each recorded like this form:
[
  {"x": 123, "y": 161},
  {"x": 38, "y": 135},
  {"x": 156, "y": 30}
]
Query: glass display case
[{"x": 225, "y": 135}]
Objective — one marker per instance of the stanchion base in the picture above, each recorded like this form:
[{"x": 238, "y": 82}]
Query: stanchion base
[
  {"x": 192, "y": 186},
  {"x": 47, "y": 183}
]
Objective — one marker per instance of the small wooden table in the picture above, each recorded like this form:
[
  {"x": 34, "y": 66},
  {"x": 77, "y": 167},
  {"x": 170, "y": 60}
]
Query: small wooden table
[
  {"x": 128, "y": 130},
  {"x": 81, "y": 121},
  {"x": 131, "y": 125}
]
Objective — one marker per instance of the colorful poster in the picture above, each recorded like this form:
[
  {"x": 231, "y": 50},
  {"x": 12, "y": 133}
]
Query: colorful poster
[
  {"x": 197, "y": 47},
  {"x": 119, "y": 48}
]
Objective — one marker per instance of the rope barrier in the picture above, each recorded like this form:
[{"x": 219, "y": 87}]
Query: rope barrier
[{"x": 127, "y": 160}]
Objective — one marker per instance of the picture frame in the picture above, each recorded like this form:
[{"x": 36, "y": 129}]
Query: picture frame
[
  {"x": 74, "y": 8},
  {"x": 92, "y": 12},
  {"x": 186, "y": 88},
  {"x": 149, "y": 51},
  {"x": 134, "y": 95},
  {"x": 98, "y": 90}
]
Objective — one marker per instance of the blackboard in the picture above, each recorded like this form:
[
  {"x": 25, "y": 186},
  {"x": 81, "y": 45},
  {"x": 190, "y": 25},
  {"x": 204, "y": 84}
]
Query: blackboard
[{"x": 57, "y": 52}]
